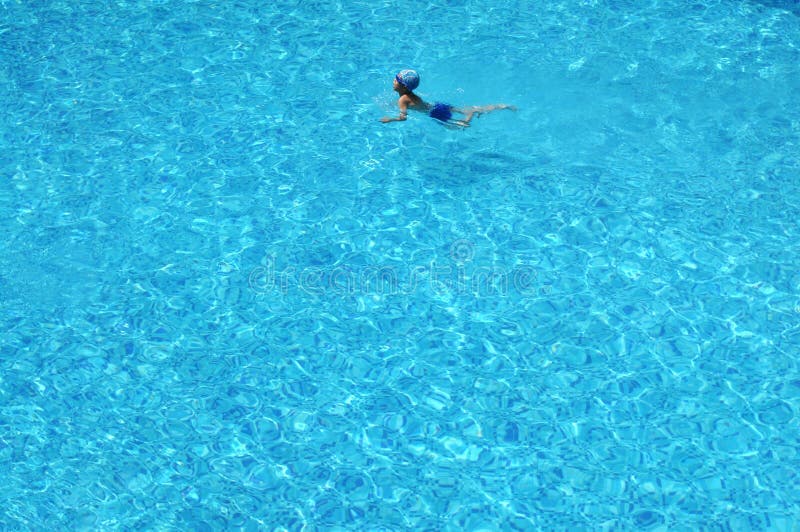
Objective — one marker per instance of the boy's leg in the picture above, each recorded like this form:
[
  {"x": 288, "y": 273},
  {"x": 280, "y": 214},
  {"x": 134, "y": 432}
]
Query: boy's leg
[{"x": 470, "y": 112}]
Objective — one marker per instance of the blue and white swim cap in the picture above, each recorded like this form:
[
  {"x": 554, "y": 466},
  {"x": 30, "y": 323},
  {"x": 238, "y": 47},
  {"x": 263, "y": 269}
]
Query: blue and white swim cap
[{"x": 408, "y": 79}]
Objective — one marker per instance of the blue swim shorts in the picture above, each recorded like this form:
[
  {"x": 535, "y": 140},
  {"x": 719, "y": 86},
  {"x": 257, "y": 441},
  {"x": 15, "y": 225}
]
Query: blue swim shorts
[{"x": 441, "y": 111}]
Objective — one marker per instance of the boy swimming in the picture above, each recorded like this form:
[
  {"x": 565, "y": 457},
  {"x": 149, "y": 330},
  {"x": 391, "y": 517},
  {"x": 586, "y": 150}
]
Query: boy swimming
[{"x": 404, "y": 84}]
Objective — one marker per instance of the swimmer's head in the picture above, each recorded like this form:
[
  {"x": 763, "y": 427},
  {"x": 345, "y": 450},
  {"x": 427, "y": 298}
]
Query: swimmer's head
[{"x": 408, "y": 79}]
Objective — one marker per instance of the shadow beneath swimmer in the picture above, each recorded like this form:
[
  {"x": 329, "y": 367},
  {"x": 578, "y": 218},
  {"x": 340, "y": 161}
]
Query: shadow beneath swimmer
[
  {"x": 792, "y": 6},
  {"x": 466, "y": 169}
]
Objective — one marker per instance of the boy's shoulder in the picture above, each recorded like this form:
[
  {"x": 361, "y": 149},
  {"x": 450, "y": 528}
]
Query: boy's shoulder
[{"x": 410, "y": 99}]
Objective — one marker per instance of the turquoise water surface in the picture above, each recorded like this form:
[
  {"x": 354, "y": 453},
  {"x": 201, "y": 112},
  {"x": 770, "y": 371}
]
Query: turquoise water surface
[{"x": 233, "y": 299}]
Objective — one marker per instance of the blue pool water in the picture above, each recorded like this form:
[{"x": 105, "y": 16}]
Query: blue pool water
[{"x": 232, "y": 298}]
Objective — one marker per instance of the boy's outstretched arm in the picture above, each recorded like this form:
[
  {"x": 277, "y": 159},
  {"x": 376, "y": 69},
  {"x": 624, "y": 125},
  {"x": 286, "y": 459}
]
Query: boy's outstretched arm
[{"x": 403, "y": 105}]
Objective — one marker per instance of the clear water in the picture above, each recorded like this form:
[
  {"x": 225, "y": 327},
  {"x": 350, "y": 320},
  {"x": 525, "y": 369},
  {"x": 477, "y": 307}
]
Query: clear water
[{"x": 232, "y": 298}]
